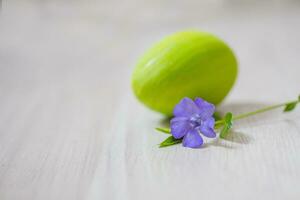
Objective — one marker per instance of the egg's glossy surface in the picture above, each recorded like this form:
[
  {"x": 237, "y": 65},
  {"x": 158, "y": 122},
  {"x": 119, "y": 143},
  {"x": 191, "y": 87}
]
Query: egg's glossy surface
[{"x": 185, "y": 64}]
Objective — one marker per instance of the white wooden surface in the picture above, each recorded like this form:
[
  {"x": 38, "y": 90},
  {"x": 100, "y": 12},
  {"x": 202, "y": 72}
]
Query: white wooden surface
[{"x": 70, "y": 127}]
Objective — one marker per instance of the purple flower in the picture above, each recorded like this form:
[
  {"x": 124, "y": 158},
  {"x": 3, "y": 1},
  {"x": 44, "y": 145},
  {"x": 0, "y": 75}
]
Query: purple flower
[{"x": 192, "y": 118}]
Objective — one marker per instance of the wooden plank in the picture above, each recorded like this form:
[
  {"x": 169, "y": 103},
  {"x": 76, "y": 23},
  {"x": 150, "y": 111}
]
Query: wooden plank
[{"x": 70, "y": 127}]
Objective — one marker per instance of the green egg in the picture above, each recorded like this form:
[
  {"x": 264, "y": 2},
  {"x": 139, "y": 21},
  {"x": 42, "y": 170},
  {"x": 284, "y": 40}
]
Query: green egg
[{"x": 185, "y": 64}]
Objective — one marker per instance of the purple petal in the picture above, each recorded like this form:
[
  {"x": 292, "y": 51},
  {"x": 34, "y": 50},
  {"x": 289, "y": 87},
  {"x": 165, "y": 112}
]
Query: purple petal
[
  {"x": 192, "y": 139},
  {"x": 180, "y": 127},
  {"x": 185, "y": 108},
  {"x": 207, "y": 128},
  {"x": 206, "y": 109}
]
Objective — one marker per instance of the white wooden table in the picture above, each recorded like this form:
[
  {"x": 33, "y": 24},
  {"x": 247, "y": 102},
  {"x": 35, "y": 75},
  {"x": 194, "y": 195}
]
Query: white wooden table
[{"x": 70, "y": 127}]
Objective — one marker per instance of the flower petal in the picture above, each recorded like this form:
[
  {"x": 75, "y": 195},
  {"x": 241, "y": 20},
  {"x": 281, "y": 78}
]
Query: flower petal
[
  {"x": 205, "y": 108},
  {"x": 180, "y": 126},
  {"x": 207, "y": 128},
  {"x": 192, "y": 139},
  {"x": 185, "y": 108}
]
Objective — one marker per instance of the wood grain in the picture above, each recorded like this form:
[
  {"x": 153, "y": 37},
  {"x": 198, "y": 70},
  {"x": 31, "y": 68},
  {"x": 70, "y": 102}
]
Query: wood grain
[{"x": 70, "y": 128}]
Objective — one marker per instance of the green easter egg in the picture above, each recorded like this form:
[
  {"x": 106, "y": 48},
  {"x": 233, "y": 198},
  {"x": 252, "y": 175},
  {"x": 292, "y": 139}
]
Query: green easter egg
[{"x": 185, "y": 64}]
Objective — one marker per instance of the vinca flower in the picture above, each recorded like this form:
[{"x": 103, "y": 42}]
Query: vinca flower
[
  {"x": 191, "y": 120},
  {"x": 195, "y": 118}
]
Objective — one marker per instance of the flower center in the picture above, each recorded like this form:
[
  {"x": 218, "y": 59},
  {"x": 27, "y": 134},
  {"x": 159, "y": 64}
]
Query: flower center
[{"x": 195, "y": 120}]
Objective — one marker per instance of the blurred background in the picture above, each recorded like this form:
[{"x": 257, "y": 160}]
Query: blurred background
[
  {"x": 89, "y": 44},
  {"x": 65, "y": 71}
]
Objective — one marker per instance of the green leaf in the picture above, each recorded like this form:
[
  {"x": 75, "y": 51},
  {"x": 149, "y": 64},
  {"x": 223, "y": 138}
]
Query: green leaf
[
  {"x": 219, "y": 124},
  {"x": 290, "y": 106},
  {"x": 227, "y": 125},
  {"x": 217, "y": 116},
  {"x": 163, "y": 130},
  {"x": 170, "y": 141}
]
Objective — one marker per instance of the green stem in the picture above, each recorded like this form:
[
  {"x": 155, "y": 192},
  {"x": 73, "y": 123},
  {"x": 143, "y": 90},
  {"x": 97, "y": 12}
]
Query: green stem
[{"x": 244, "y": 115}]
